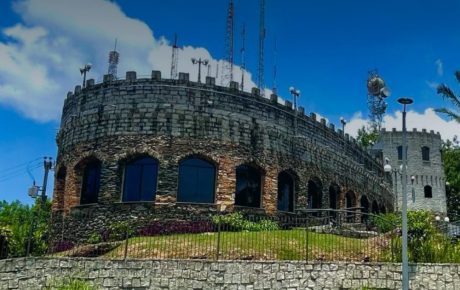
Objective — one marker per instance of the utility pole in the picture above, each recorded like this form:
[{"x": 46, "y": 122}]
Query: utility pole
[
  {"x": 47, "y": 164},
  {"x": 200, "y": 62}
]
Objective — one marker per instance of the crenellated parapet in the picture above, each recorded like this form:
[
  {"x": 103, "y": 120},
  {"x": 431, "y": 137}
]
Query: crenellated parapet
[{"x": 169, "y": 120}]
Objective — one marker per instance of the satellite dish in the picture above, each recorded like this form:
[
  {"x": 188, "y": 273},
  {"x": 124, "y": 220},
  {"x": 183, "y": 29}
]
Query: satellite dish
[
  {"x": 375, "y": 84},
  {"x": 385, "y": 92}
]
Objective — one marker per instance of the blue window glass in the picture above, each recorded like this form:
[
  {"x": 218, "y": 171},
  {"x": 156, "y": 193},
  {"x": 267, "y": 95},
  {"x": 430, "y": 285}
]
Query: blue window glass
[
  {"x": 140, "y": 181},
  {"x": 248, "y": 186},
  {"x": 285, "y": 192},
  {"x": 91, "y": 183},
  {"x": 196, "y": 181}
]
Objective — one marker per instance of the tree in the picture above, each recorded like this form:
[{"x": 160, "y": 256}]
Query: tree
[
  {"x": 451, "y": 160},
  {"x": 18, "y": 222},
  {"x": 448, "y": 94},
  {"x": 367, "y": 137}
]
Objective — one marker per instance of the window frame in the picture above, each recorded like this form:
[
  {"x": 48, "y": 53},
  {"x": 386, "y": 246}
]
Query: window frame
[
  {"x": 291, "y": 196},
  {"x": 84, "y": 176},
  {"x": 214, "y": 180},
  {"x": 261, "y": 185},
  {"x": 125, "y": 164}
]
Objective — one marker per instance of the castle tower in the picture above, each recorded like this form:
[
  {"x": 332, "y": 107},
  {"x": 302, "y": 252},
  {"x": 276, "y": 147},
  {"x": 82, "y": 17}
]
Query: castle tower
[{"x": 426, "y": 185}]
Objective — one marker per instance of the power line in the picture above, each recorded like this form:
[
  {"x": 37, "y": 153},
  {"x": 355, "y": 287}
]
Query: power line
[
  {"x": 25, "y": 164},
  {"x": 18, "y": 173}
]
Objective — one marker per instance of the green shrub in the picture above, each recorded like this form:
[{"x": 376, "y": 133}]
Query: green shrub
[
  {"x": 72, "y": 284},
  {"x": 94, "y": 238},
  {"x": 119, "y": 231},
  {"x": 386, "y": 222},
  {"x": 237, "y": 222}
]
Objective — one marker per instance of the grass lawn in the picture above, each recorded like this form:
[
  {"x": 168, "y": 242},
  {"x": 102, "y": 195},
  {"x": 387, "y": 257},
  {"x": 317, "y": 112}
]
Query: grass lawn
[{"x": 295, "y": 244}]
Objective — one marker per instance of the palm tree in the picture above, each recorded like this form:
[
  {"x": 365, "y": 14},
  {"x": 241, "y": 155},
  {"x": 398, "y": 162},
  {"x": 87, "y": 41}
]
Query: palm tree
[{"x": 448, "y": 94}]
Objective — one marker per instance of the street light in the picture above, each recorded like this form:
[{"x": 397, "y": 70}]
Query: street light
[
  {"x": 295, "y": 95},
  {"x": 83, "y": 71},
  {"x": 200, "y": 62},
  {"x": 405, "y": 260},
  {"x": 344, "y": 122}
]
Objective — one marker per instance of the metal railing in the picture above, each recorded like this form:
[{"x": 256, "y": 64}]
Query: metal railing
[{"x": 313, "y": 235}]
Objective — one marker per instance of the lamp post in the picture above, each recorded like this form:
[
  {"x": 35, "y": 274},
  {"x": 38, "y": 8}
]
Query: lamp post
[
  {"x": 295, "y": 94},
  {"x": 405, "y": 260},
  {"x": 83, "y": 71},
  {"x": 344, "y": 122},
  {"x": 199, "y": 62}
]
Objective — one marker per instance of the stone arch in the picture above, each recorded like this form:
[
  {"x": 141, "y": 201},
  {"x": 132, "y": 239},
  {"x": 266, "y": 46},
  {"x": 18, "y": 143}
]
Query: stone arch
[
  {"x": 85, "y": 179},
  {"x": 197, "y": 179},
  {"x": 334, "y": 195},
  {"x": 365, "y": 208},
  {"x": 249, "y": 185},
  {"x": 287, "y": 190},
  {"x": 382, "y": 208},
  {"x": 132, "y": 169},
  {"x": 314, "y": 193},
  {"x": 350, "y": 199},
  {"x": 198, "y": 155}
]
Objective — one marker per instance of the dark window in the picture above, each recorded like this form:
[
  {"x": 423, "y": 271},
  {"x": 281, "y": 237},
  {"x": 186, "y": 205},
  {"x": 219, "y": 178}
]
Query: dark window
[
  {"x": 400, "y": 152},
  {"x": 248, "y": 186},
  {"x": 91, "y": 183},
  {"x": 285, "y": 192},
  {"x": 140, "y": 181},
  {"x": 196, "y": 181},
  {"x": 425, "y": 153},
  {"x": 428, "y": 191},
  {"x": 315, "y": 196},
  {"x": 375, "y": 207}
]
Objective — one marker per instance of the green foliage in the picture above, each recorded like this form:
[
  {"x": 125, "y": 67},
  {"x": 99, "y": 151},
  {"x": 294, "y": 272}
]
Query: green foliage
[
  {"x": 72, "y": 284},
  {"x": 385, "y": 222},
  {"x": 451, "y": 159},
  {"x": 120, "y": 231},
  {"x": 94, "y": 238},
  {"x": 450, "y": 96},
  {"x": 21, "y": 221},
  {"x": 426, "y": 243},
  {"x": 237, "y": 222},
  {"x": 367, "y": 137}
]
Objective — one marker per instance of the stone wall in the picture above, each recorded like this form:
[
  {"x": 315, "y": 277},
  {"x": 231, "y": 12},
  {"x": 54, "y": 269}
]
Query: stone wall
[
  {"x": 37, "y": 273},
  {"x": 170, "y": 120},
  {"x": 425, "y": 173}
]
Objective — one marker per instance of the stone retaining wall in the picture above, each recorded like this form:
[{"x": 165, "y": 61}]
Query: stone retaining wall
[{"x": 39, "y": 273}]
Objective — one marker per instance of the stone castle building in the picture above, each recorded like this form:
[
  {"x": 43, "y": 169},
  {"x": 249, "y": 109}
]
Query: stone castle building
[
  {"x": 137, "y": 148},
  {"x": 426, "y": 185}
]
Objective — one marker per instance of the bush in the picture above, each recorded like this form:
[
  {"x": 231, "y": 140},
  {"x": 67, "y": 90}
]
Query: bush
[
  {"x": 176, "y": 227},
  {"x": 116, "y": 232},
  {"x": 386, "y": 222},
  {"x": 72, "y": 284},
  {"x": 236, "y": 222}
]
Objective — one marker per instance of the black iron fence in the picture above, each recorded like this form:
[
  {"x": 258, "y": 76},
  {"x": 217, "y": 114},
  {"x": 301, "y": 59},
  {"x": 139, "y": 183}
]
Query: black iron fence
[{"x": 314, "y": 235}]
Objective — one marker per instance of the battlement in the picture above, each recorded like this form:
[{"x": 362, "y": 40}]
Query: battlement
[
  {"x": 411, "y": 133},
  {"x": 274, "y": 101}
]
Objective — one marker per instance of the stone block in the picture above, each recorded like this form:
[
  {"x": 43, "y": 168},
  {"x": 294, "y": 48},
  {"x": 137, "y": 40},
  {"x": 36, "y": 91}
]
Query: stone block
[
  {"x": 183, "y": 76},
  {"x": 234, "y": 85},
  {"x": 77, "y": 89},
  {"x": 288, "y": 104},
  {"x": 89, "y": 83},
  {"x": 210, "y": 81},
  {"x": 131, "y": 75},
  {"x": 156, "y": 75},
  {"x": 274, "y": 98},
  {"x": 313, "y": 116},
  {"x": 255, "y": 91},
  {"x": 107, "y": 78}
]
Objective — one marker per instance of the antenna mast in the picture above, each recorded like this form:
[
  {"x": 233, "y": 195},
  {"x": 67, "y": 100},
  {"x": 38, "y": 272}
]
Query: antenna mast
[
  {"x": 260, "y": 71},
  {"x": 174, "y": 58},
  {"x": 274, "y": 69},
  {"x": 243, "y": 50},
  {"x": 227, "y": 72},
  {"x": 113, "y": 61}
]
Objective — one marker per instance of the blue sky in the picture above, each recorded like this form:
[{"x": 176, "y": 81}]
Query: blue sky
[{"x": 325, "y": 48}]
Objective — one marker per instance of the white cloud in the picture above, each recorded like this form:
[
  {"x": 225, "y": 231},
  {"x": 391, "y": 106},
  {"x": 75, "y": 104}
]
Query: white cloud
[
  {"x": 439, "y": 67},
  {"x": 433, "y": 85},
  {"x": 428, "y": 120},
  {"x": 42, "y": 54}
]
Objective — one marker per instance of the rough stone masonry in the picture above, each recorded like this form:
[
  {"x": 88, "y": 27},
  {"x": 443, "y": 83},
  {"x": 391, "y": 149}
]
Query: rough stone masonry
[
  {"x": 36, "y": 273},
  {"x": 168, "y": 120}
]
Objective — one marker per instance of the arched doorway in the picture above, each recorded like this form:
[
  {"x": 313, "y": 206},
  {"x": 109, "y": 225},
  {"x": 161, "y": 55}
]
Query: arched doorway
[
  {"x": 315, "y": 195},
  {"x": 365, "y": 207}
]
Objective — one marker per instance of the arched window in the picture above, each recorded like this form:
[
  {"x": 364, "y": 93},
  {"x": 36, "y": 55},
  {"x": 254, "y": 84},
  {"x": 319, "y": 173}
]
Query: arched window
[
  {"x": 91, "y": 182},
  {"x": 285, "y": 192},
  {"x": 350, "y": 200},
  {"x": 140, "y": 182},
  {"x": 248, "y": 186},
  {"x": 428, "y": 191},
  {"x": 334, "y": 192},
  {"x": 375, "y": 207},
  {"x": 365, "y": 208},
  {"x": 315, "y": 194},
  {"x": 425, "y": 153},
  {"x": 196, "y": 181}
]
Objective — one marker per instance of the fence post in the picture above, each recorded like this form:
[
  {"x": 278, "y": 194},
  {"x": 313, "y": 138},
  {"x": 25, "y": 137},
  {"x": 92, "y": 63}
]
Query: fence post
[
  {"x": 126, "y": 243},
  {"x": 218, "y": 241},
  {"x": 306, "y": 239}
]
